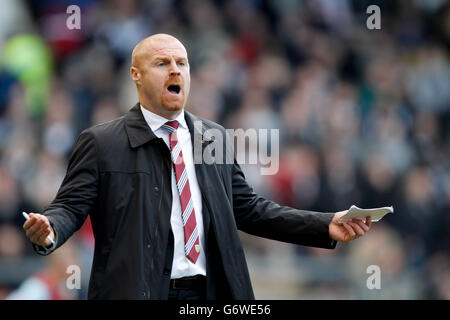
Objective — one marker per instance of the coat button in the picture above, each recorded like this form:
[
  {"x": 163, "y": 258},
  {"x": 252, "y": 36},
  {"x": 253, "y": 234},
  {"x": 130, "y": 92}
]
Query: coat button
[
  {"x": 148, "y": 245},
  {"x": 156, "y": 189}
]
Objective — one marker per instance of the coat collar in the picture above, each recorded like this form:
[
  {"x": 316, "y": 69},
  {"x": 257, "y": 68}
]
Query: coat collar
[{"x": 140, "y": 133}]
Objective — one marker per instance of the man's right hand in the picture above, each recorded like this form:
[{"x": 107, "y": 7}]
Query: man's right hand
[{"x": 37, "y": 228}]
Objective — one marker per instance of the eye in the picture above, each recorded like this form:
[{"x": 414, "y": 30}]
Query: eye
[{"x": 181, "y": 63}]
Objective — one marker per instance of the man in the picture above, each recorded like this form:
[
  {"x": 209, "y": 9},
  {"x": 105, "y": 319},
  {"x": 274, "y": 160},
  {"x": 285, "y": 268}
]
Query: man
[{"x": 165, "y": 227}]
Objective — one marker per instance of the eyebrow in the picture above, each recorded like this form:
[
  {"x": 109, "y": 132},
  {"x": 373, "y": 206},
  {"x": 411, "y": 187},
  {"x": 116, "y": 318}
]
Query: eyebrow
[{"x": 165, "y": 58}]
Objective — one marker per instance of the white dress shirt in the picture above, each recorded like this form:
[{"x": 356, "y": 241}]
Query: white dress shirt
[{"x": 182, "y": 266}]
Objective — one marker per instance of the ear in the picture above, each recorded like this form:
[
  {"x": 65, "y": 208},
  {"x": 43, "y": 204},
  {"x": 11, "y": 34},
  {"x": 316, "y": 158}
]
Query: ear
[{"x": 135, "y": 75}]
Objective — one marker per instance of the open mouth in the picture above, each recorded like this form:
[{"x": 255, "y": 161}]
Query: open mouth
[{"x": 174, "y": 88}]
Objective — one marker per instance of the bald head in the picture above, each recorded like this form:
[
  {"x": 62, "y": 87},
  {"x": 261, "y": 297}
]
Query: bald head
[
  {"x": 152, "y": 45},
  {"x": 160, "y": 70}
]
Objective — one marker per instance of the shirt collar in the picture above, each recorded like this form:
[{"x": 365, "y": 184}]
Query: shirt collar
[{"x": 155, "y": 121}]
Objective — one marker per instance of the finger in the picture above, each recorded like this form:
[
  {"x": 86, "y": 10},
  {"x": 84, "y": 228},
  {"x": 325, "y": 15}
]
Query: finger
[
  {"x": 363, "y": 226},
  {"x": 368, "y": 221},
  {"x": 43, "y": 237},
  {"x": 359, "y": 231},
  {"x": 38, "y": 236},
  {"x": 42, "y": 217},
  {"x": 356, "y": 228},
  {"x": 29, "y": 222},
  {"x": 34, "y": 218},
  {"x": 349, "y": 229},
  {"x": 33, "y": 235},
  {"x": 37, "y": 226},
  {"x": 357, "y": 219},
  {"x": 32, "y": 232}
]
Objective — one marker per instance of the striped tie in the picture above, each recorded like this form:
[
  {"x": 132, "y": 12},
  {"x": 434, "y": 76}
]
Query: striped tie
[{"x": 191, "y": 240}]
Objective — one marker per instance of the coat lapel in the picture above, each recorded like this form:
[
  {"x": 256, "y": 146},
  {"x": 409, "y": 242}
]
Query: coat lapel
[{"x": 137, "y": 128}]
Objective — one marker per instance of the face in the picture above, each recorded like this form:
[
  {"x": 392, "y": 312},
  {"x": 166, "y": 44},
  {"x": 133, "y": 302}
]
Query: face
[{"x": 161, "y": 73}]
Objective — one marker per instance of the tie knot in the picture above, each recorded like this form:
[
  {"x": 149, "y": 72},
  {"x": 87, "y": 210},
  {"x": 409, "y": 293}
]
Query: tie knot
[{"x": 171, "y": 126}]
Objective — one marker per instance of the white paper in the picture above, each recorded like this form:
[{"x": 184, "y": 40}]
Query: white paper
[{"x": 376, "y": 213}]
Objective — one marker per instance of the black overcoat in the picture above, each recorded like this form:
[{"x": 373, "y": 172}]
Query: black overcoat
[{"x": 120, "y": 174}]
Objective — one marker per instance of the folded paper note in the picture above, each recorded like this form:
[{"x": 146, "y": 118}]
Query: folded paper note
[{"x": 376, "y": 213}]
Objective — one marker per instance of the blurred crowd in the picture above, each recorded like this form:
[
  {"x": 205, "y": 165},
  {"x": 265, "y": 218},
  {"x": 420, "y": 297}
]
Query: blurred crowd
[{"x": 363, "y": 116}]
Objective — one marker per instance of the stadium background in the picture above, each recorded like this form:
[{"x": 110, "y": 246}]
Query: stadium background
[{"x": 364, "y": 118}]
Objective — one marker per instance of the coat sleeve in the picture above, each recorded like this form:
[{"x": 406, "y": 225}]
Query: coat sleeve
[
  {"x": 261, "y": 217},
  {"x": 77, "y": 194}
]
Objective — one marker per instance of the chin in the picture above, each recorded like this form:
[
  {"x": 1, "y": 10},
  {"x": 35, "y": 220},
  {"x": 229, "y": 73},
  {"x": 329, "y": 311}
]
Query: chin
[{"x": 174, "y": 107}]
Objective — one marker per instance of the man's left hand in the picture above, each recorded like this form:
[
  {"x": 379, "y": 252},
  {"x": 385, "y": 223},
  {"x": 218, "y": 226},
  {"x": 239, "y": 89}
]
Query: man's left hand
[{"x": 348, "y": 230}]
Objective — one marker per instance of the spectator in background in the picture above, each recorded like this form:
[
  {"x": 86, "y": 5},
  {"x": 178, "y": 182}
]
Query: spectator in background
[{"x": 50, "y": 283}]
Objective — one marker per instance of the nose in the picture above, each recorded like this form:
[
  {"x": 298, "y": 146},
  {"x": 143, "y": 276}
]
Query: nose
[{"x": 174, "y": 70}]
